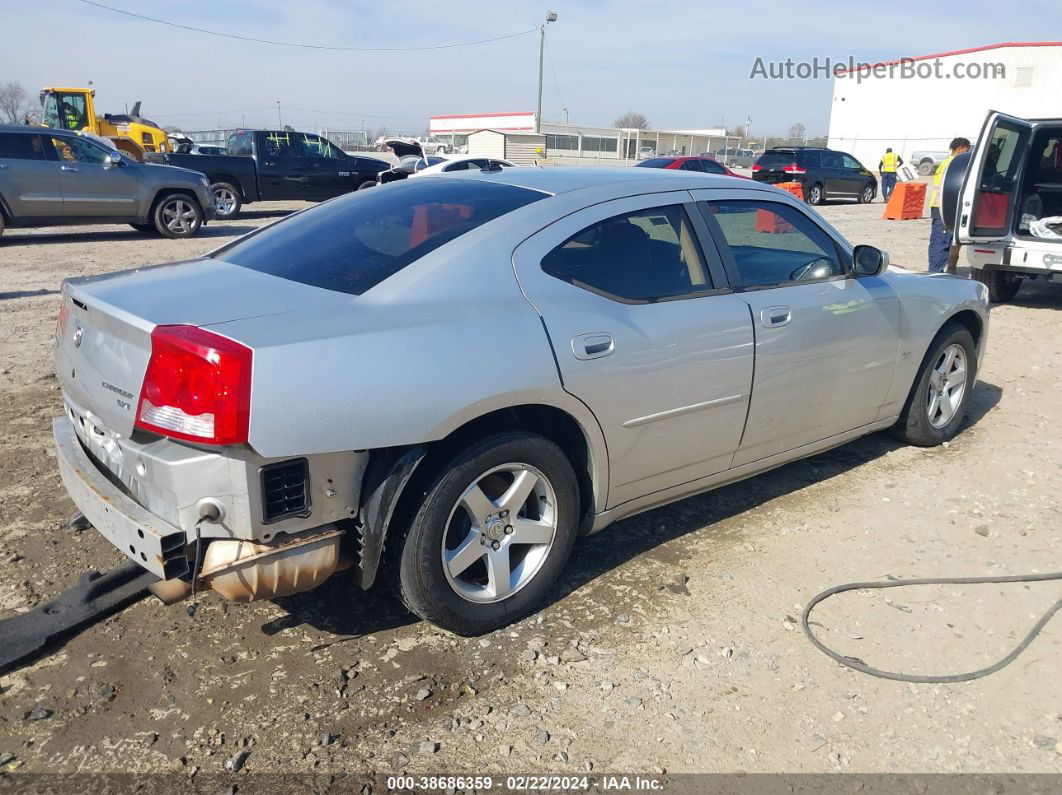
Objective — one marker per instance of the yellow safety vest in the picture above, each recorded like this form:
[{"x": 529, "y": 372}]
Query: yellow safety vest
[
  {"x": 890, "y": 161},
  {"x": 938, "y": 178}
]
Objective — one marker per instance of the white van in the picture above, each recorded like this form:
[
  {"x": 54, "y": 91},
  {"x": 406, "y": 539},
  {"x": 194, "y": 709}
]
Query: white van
[{"x": 1009, "y": 205}]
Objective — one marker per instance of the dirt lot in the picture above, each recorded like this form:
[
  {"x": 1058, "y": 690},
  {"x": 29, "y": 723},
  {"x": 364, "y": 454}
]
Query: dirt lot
[{"x": 670, "y": 645}]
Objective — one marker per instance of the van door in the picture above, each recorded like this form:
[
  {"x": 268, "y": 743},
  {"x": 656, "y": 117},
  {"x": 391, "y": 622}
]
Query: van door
[{"x": 989, "y": 193}]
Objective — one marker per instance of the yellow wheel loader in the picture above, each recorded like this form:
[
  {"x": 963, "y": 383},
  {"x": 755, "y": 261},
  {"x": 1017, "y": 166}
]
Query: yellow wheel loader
[{"x": 73, "y": 109}]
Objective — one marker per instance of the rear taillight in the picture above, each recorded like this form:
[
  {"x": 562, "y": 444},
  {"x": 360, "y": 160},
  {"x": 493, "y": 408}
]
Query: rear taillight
[
  {"x": 197, "y": 386},
  {"x": 795, "y": 168},
  {"x": 757, "y": 167},
  {"x": 61, "y": 320}
]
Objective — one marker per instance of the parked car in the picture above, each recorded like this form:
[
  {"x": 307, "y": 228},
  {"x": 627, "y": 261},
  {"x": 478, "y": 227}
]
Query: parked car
[
  {"x": 279, "y": 165},
  {"x": 927, "y": 162},
  {"x": 1003, "y": 200},
  {"x": 449, "y": 379},
  {"x": 735, "y": 157},
  {"x": 52, "y": 177},
  {"x": 645, "y": 152},
  {"x": 700, "y": 163},
  {"x": 461, "y": 163},
  {"x": 822, "y": 173},
  {"x": 432, "y": 145}
]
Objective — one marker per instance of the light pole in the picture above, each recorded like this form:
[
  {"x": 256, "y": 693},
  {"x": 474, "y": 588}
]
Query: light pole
[
  {"x": 550, "y": 17},
  {"x": 280, "y": 124},
  {"x": 566, "y": 122}
]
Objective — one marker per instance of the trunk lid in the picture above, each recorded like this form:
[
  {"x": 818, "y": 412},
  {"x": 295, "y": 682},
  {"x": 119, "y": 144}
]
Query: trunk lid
[{"x": 103, "y": 338}]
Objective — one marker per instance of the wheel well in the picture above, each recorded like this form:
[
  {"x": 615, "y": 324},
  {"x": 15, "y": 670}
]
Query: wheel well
[
  {"x": 552, "y": 423},
  {"x": 972, "y": 322},
  {"x": 170, "y": 192},
  {"x": 214, "y": 178}
]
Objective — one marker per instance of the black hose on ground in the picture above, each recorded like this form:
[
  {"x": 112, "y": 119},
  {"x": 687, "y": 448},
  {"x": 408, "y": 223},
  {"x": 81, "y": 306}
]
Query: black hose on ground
[{"x": 859, "y": 665}]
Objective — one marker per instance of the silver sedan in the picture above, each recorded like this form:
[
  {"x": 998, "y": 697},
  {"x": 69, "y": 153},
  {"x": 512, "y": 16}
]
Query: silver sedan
[{"x": 449, "y": 379}]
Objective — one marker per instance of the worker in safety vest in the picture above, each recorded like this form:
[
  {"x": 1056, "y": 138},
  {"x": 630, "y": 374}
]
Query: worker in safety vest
[
  {"x": 942, "y": 255},
  {"x": 887, "y": 166}
]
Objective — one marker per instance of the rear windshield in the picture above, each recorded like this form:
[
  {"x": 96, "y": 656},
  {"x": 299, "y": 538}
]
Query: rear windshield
[
  {"x": 353, "y": 243},
  {"x": 657, "y": 162},
  {"x": 777, "y": 159}
]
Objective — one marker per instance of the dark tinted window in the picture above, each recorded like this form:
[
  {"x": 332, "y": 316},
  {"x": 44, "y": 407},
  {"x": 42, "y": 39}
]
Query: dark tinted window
[
  {"x": 851, "y": 162},
  {"x": 777, "y": 159},
  {"x": 354, "y": 243},
  {"x": 711, "y": 167},
  {"x": 809, "y": 159},
  {"x": 693, "y": 165},
  {"x": 641, "y": 256},
  {"x": 832, "y": 160},
  {"x": 240, "y": 144},
  {"x": 657, "y": 162},
  {"x": 773, "y": 243},
  {"x": 21, "y": 146}
]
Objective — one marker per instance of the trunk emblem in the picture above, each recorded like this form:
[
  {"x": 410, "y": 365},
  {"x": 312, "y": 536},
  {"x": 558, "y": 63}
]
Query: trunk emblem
[{"x": 78, "y": 334}]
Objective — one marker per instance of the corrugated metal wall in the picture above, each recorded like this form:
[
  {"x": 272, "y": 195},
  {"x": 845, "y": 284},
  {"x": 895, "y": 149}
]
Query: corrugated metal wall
[{"x": 520, "y": 149}]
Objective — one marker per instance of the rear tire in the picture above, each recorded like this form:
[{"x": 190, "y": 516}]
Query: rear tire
[
  {"x": 227, "y": 200},
  {"x": 867, "y": 194},
  {"x": 500, "y": 578},
  {"x": 177, "y": 215},
  {"x": 926, "y": 168},
  {"x": 3, "y": 224},
  {"x": 1002, "y": 286},
  {"x": 937, "y": 404},
  {"x": 815, "y": 194}
]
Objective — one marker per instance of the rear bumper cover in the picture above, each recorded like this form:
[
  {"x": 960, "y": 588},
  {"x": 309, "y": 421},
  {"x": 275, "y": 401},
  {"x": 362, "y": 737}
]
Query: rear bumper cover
[{"x": 153, "y": 543}]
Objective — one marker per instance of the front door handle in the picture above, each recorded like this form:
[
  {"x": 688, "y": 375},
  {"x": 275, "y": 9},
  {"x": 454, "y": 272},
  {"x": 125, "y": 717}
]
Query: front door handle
[
  {"x": 70, "y": 168},
  {"x": 593, "y": 346},
  {"x": 775, "y": 316}
]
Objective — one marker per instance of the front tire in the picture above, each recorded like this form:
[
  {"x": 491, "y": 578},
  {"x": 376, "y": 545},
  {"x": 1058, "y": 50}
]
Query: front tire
[
  {"x": 227, "y": 201},
  {"x": 937, "y": 404},
  {"x": 177, "y": 215},
  {"x": 926, "y": 168},
  {"x": 494, "y": 527},
  {"x": 1002, "y": 286}
]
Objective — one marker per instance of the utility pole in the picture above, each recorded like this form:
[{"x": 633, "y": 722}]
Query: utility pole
[
  {"x": 280, "y": 124},
  {"x": 566, "y": 122},
  {"x": 550, "y": 17}
]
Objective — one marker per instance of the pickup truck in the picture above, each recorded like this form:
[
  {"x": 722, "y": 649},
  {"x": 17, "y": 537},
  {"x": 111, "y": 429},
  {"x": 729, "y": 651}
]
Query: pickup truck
[
  {"x": 279, "y": 165},
  {"x": 927, "y": 162}
]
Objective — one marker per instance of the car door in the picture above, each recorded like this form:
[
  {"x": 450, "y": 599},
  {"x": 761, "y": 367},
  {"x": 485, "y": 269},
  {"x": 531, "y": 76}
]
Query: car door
[
  {"x": 833, "y": 176},
  {"x": 92, "y": 187},
  {"x": 855, "y": 175},
  {"x": 646, "y": 334},
  {"x": 826, "y": 342},
  {"x": 989, "y": 195},
  {"x": 328, "y": 170},
  {"x": 29, "y": 179},
  {"x": 281, "y": 167}
]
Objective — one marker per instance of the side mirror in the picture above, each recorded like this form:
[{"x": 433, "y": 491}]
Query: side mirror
[
  {"x": 113, "y": 160},
  {"x": 869, "y": 261}
]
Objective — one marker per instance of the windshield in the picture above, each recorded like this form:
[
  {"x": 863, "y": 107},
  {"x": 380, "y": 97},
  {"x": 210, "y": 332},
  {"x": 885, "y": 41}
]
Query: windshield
[
  {"x": 777, "y": 158},
  {"x": 353, "y": 243}
]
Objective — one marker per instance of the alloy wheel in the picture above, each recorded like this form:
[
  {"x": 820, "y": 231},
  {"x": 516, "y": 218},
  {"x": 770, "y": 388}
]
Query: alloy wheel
[
  {"x": 179, "y": 216},
  {"x": 947, "y": 386},
  {"x": 499, "y": 533},
  {"x": 224, "y": 201}
]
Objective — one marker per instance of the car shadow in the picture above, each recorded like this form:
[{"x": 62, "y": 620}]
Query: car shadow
[
  {"x": 1038, "y": 294},
  {"x": 252, "y": 214},
  {"x": 341, "y": 608},
  {"x": 26, "y": 294},
  {"x": 107, "y": 237}
]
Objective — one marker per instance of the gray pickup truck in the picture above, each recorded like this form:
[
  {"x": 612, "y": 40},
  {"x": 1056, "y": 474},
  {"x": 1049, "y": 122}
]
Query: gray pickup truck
[{"x": 53, "y": 177}]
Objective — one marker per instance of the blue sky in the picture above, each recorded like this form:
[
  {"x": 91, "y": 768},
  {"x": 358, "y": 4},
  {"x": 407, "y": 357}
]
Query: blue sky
[{"x": 684, "y": 68}]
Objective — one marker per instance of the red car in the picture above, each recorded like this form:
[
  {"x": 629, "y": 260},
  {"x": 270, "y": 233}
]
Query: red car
[{"x": 701, "y": 163}]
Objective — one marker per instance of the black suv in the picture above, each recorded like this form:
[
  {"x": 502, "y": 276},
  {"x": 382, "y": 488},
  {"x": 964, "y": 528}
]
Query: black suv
[{"x": 823, "y": 173}]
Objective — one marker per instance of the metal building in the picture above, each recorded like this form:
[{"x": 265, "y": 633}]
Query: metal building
[
  {"x": 921, "y": 103},
  {"x": 520, "y": 148}
]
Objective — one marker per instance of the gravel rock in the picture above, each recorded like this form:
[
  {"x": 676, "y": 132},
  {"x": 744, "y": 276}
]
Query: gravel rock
[
  {"x": 541, "y": 736},
  {"x": 235, "y": 763},
  {"x": 520, "y": 711},
  {"x": 572, "y": 655},
  {"x": 428, "y": 747},
  {"x": 39, "y": 713},
  {"x": 529, "y": 655},
  {"x": 399, "y": 761},
  {"x": 423, "y": 694}
]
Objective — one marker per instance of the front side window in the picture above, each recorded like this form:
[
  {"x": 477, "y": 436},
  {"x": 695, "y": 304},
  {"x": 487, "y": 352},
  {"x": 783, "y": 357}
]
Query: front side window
[
  {"x": 318, "y": 147},
  {"x": 21, "y": 147},
  {"x": 774, "y": 244},
  {"x": 353, "y": 243},
  {"x": 642, "y": 256},
  {"x": 79, "y": 150},
  {"x": 852, "y": 163}
]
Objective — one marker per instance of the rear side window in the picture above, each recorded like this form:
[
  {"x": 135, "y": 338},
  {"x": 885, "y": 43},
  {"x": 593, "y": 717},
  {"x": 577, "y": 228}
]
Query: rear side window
[
  {"x": 810, "y": 159},
  {"x": 240, "y": 144},
  {"x": 639, "y": 257},
  {"x": 21, "y": 147},
  {"x": 353, "y": 243},
  {"x": 656, "y": 162}
]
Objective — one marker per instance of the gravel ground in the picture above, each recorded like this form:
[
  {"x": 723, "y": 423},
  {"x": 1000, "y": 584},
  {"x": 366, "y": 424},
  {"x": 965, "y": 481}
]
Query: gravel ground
[{"x": 669, "y": 646}]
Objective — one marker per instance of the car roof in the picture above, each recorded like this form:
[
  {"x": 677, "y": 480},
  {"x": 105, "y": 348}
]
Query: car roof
[
  {"x": 24, "y": 128},
  {"x": 565, "y": 179}
]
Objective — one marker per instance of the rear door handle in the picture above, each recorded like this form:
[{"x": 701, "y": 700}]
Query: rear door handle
[
  {"x": 593, "y": 346},
  {"x": 69, "y": 168},
  {"x": 775, "y": 316}
]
